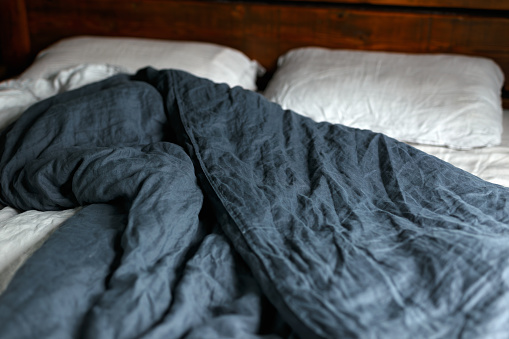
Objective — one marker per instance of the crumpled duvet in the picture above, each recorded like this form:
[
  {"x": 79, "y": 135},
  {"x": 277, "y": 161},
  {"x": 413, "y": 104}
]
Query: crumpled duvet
[{"x": 209, "y": 212}]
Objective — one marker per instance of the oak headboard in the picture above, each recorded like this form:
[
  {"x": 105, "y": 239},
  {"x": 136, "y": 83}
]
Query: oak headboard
[{"x": 265, "y": 29}]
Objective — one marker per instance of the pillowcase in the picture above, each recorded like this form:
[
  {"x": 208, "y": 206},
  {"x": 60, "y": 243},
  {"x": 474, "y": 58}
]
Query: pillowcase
[
  {"x": 217, "y": 63},
  {"x": 435, "y": 99}
]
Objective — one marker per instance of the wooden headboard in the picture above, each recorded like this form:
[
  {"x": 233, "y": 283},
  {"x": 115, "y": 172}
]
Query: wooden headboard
[{"x": 265, "y": 29}]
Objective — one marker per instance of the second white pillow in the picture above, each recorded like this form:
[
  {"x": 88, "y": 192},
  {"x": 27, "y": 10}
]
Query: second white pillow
[{"x": 436, "y": 99}]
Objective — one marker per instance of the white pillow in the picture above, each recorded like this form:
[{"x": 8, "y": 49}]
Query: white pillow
[
  {"x": 447, "y": 100},
  {"x": 215, "y": 62}
]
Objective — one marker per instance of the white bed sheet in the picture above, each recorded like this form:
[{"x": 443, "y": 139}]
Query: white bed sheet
[
  {"x": 488, "y": 163},
  {"x": 22, "y": 233}
]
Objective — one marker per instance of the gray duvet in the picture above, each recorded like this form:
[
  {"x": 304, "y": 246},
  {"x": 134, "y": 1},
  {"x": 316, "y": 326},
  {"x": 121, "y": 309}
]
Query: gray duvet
[{"x": 209, "y": 212}]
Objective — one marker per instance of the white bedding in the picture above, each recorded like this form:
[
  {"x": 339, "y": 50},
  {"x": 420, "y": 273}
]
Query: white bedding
[
  {"x": 17, "y": 95},
  {"x": 433, "y": 99},
  {"x": 488, "y": 163},
  {"x": 22, "y": 233},
  {"x": 211, "y": 61}
]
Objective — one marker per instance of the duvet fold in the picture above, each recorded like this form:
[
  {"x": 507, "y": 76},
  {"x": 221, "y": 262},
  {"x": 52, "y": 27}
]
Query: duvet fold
[{"x": 210, "y": 212}]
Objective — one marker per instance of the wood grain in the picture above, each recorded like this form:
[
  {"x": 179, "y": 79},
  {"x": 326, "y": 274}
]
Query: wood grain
[
  {"x": 14, "y": 37},
  {"x": 460, "y": 4},
  {"x": 265, "y": 31}
]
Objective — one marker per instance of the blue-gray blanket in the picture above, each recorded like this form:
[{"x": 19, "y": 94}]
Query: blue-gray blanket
[{"x": 209, "y": 212}]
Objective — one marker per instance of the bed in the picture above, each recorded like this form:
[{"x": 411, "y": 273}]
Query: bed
[{"x": 250, "y": 169}]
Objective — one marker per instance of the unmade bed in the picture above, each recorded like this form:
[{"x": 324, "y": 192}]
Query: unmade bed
[{"x": 189, "y": 187}]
